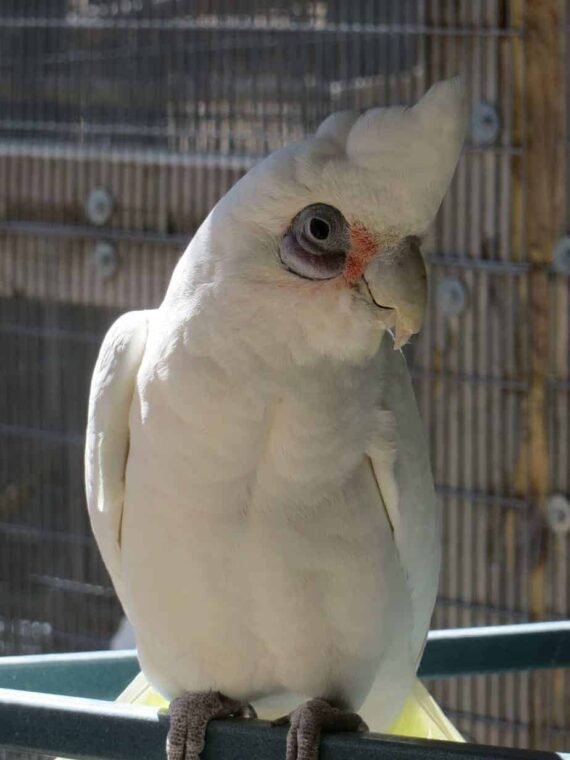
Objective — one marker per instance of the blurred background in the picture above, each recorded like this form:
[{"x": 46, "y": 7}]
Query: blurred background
[{"x": 121, "y": 124}]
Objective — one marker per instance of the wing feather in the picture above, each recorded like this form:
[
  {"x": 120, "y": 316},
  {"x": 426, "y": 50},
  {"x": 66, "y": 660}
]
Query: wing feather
[
  {"x": 107, "y": 436},
  {"x": 400, "y": 461}
]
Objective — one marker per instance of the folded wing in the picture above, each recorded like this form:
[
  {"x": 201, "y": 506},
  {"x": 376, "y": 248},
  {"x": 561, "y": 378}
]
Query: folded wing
[
  {"x": 406, "y": 484},
  {"x": 107, "y": 436}
]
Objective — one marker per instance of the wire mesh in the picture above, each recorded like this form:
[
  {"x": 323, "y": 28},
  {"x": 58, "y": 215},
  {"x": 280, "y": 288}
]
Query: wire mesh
[{"x": 164, "y": 104}]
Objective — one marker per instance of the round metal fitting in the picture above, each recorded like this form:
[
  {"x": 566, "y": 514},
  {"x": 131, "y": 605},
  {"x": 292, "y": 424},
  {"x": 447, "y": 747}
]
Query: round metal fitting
[
  {"x": 99, "y": 206},
  {"x": 485, "y": 124},
  {"x": 451, "y": 296},
  {"x": 558, "y": 513},
  {"x": 105, "y": 260},
  {"x": 561, "y": 256}
]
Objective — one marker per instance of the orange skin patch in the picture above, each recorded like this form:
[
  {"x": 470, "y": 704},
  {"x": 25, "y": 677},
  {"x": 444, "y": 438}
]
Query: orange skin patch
[{"x": 363, "y": 248}]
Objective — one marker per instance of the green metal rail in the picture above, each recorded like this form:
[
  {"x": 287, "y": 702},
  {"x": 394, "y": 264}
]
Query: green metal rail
[
  {"x": 496, "y": 649},
  {"x": 448, "y": 653},
  {"x": 73, "y": 726},
  {"x": 94, "y": 675}
]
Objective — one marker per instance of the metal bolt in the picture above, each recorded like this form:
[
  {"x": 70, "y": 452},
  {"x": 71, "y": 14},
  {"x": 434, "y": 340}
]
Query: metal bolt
[
  {"x": 105, "y": 260},
  {"x": 558, "y": 513},
  {"x": 561, "y": 256},
  {"x": 451, "y": 296},
  {"x": 485, "y": 124},
  {"x": 99, "y": 206}
]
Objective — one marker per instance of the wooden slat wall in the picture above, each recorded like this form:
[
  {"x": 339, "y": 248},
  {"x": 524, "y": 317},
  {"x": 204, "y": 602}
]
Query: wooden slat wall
[
  {"x": 169, "y": 196},
  {"x": 477, "y": 377}
]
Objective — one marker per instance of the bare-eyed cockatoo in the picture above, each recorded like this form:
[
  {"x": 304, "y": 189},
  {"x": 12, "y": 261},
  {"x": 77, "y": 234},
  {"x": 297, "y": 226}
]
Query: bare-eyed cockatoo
[{"x": 257, "y": 476}]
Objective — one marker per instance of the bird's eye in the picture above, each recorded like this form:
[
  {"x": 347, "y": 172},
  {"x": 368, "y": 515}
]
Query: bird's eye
[
  {"x": 317, "y": 242},
  {"x": 319, "y": 228}
]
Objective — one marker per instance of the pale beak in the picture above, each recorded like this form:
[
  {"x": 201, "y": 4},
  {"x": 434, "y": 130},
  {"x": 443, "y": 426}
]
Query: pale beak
[{"x": 397, "y": 281}]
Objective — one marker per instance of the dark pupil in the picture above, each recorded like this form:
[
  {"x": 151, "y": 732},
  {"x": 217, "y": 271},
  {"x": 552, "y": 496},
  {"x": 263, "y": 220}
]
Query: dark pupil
[{"x": 318, "y": 228}]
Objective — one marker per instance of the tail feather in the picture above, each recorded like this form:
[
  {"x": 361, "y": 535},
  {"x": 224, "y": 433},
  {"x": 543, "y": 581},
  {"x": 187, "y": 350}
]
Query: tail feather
[{"x": 423, "y": 718}]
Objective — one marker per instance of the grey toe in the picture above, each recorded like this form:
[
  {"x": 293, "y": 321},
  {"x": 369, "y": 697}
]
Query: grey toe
[{"x": 189, "y": 717}]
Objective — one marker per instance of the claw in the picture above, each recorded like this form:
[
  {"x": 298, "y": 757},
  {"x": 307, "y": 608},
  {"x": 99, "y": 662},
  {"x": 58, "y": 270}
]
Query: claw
[
  {"x": 189, "y": 717},
  {"x": 307, "y": 723}
]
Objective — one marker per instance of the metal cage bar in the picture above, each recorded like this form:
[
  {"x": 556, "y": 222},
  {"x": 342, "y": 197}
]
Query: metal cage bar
[
  {"x": 55, "y": 723},
  {"x": 88, "y": 729}
]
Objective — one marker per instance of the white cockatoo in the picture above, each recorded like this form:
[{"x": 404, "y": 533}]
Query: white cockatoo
[{"x": 257, "y": 476}]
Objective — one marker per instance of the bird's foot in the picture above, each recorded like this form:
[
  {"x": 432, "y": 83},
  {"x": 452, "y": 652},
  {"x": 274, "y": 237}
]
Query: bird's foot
[
  {"x": 189, "y": 717},
  {"x": 308, "y": 721}
]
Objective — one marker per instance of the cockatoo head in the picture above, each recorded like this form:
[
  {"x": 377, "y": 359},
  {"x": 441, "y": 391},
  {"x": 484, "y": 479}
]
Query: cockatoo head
[{"x": 323, "y": 235}]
